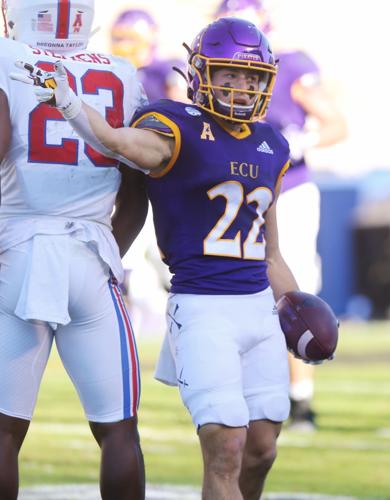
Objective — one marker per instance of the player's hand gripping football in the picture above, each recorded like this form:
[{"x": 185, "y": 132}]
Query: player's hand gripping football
[
  {"x": 50, "y": 87},
  {"x": 309, "y": 325}
]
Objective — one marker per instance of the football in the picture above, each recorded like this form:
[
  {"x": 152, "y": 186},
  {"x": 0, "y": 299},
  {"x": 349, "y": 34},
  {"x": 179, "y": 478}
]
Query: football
[{"x": 309, "y": 325}]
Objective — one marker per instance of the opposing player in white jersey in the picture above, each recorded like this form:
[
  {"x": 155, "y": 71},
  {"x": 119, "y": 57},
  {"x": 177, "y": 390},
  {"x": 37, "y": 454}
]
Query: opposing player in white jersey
[{"x": 59, "y": 262}]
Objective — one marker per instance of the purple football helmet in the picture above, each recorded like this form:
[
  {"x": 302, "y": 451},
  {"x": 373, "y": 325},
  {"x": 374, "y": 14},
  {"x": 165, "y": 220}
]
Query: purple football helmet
[
  {"x": 224, "y": 44},
  {"x": 134, "y": 36},
  {"x": 235, "y": 5},
  {"x": 251, "y": 10}
]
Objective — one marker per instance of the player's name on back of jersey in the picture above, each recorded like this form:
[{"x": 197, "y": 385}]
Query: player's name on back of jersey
[{"x": 87, "y": 57}]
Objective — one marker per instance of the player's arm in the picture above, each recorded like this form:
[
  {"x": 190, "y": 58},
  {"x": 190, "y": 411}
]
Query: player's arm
[
  {"x": 131, "y": 208},
  {"x": 147, "y": 149},
  {"x": 331, "y": 125},
  {"x": 5, "y": 125},
  {"x": 135, "y": 147},
  {"x": 279, "y": 274}
]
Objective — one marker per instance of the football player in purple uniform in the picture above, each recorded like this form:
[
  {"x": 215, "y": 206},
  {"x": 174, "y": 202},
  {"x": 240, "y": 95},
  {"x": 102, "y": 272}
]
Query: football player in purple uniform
[
  {"x": 134, "y": 36},
  {"x": 214, "y": 177},
  {"x": 298, "y": 95},
  {"x": 59, "y": 262}
]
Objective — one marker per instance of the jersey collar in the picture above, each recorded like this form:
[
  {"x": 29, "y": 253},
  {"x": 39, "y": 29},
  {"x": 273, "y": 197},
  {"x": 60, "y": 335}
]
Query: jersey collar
[{"x": 242, "y": 133}]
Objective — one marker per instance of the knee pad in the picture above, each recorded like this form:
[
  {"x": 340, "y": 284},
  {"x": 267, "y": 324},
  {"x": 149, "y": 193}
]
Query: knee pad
[
  {"x": 211, "y": 407},
  {"x": 272, "y": 407}
]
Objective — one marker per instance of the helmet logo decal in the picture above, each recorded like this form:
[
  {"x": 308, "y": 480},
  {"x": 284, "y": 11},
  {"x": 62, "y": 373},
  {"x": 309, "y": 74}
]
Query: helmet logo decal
[
  {"x": 246, "y": 56},
  {"x": 78, "y": 22},
  {"x": 43, "y": 22},
  {"x": 63, "y": 19},
  {"x": 192, "y": 111}
]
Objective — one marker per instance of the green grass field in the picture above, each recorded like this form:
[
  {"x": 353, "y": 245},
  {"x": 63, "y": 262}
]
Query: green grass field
[{"x": 348, "y": 455}]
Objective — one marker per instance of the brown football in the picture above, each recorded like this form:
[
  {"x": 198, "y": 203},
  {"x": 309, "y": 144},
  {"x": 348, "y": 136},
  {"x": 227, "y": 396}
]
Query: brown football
[{"x": 309, "y": 325}]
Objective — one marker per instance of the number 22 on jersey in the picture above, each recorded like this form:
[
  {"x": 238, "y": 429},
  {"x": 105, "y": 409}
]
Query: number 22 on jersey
[
  {"x": 67, "y": 153},
  {"x": 233, "y": 192}
]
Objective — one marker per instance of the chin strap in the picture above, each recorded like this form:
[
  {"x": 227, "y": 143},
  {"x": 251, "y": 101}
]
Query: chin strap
[
  {"x": 181, "y": 73},
  {"x": 190, "y": 93}
]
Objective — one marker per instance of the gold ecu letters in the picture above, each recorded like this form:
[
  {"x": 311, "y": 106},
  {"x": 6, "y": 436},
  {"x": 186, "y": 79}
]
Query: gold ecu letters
[{"x": 244, "y": 169}]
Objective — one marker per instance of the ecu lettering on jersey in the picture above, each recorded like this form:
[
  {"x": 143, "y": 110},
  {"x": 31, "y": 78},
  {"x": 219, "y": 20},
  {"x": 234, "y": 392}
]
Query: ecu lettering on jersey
[{"x": 209, "y": 203}]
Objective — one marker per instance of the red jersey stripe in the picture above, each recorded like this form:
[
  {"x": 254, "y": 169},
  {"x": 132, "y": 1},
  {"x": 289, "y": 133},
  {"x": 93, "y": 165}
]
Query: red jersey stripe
[{"x": 132, "y": 349}]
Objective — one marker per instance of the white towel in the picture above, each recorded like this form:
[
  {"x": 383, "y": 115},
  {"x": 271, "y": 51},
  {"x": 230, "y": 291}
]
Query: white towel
[
  {"x": 44, "y": 293},
  {"x": 166, "y": 368}
]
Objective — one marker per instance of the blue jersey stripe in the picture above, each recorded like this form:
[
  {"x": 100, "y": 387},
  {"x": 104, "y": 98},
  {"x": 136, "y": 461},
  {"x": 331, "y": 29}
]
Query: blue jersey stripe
[{"x": 124, "y": 356}]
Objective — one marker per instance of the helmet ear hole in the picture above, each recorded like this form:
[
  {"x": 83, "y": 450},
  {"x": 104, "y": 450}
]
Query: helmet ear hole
[
  {"x": 190, "y": 93},
  {"x": 198, "y": 63}
]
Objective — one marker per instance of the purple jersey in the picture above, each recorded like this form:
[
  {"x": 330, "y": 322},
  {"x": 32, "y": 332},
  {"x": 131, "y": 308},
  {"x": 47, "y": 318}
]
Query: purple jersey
[
  {"x": 157, "y": 77},
  {"x": 284, "y": 112},
  {"x": 153, "y": 78},
  {"x": 209, "y": 202}
]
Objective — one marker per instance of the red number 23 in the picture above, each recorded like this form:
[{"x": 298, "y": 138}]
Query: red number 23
[{"x": 66, "y": 153}]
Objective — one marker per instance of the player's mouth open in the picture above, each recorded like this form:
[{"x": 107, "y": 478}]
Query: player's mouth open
[{"x": 241, "y": 101}]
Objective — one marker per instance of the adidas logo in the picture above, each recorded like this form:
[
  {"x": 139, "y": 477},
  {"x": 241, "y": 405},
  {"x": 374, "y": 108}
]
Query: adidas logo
[{"x": 264, "y": 148}]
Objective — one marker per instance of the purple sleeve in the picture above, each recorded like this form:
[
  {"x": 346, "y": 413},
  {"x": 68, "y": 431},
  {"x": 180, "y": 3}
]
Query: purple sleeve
[{"x": 155, "y": 122}]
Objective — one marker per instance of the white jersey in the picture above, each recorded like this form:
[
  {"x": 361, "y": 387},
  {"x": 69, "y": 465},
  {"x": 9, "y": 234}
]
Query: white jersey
[{"x": 51, "y": 181}]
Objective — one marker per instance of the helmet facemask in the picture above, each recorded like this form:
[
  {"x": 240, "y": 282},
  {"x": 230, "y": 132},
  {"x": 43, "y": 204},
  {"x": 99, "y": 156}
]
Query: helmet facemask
[
  {"x": 240, "y": 48},
  {"x": 206, "y": 96}
]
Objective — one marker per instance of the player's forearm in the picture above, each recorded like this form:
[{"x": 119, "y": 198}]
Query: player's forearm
[
  {"x": 101, "y": 128},
  {"x": 125, "y": 231},
  {"x": 280, "y": 276},
  {"x": 140, "y": 149},
  {"x": 131, "y": 208},
  {"x": 93, "y": 128}
]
